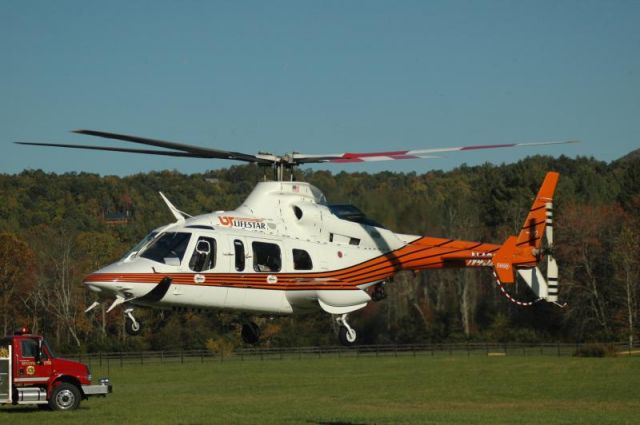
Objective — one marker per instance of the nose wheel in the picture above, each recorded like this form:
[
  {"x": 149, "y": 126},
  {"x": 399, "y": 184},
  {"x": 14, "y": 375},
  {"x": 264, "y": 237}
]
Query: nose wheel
[
  {"x": 131, "y": 325},
  {"x": 346, "y": 334}
]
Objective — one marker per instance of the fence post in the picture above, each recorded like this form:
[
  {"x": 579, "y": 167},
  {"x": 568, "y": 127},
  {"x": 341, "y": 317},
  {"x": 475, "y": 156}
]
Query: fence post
[
  {"x": 182, "y": 356},
  {"x": 120, "y": 358}
]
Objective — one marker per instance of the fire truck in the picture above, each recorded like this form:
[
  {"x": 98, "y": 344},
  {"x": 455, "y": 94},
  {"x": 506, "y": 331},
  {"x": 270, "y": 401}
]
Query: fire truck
[{"x": 30, "y": 373}]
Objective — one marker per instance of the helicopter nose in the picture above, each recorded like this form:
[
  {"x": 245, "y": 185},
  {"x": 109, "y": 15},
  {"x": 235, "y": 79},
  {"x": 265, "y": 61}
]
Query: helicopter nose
[
  {"x": 92, "y": 285},
  {"x": 96, "y": 283}
]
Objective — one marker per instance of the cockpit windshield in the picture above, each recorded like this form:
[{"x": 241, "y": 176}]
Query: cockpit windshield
[
  {"x": 140, "y": 245},
  {"x": 168, "y": 248}
]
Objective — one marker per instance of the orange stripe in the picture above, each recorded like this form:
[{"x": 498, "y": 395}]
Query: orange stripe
[{"x": 424, "y": 253}]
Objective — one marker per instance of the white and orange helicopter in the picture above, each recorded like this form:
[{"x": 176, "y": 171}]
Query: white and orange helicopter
[{"x": 285, "y": 249}]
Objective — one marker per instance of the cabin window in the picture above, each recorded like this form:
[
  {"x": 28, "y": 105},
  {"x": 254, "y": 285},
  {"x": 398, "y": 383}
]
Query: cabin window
[
  {"x": 266, "y": 257},
  {"x": 169, "y": 248},
  {"x": 301, "y": 260},
  {"x": 238, "y": 248},
  {"x": 204, "y": 255},
  {"x": 29, "y": 347}
]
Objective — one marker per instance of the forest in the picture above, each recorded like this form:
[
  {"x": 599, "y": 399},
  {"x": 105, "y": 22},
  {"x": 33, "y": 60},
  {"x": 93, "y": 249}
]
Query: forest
[{"x": 55, "y": 229}]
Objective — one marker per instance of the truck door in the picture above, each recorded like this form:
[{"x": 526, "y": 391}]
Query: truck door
[
  {"x": 5, "y": 372},
  {"x": 31, "y": 369}
]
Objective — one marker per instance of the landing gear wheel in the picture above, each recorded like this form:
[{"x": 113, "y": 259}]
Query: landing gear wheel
[
  {"x": 65, "y": 397},
  {"x": 378, "y": 293},
  {"x": 347, "y": 336},
  {"x": 250, "y": 333},
  {"x": 133, "y": 327}
]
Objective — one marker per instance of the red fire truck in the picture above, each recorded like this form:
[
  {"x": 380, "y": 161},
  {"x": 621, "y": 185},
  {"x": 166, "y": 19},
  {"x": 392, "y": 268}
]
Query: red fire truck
[{"x": 31, "y": 374}]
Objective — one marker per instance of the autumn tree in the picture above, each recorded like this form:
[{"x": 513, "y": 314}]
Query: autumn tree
[{"x": 16, "y": 276}]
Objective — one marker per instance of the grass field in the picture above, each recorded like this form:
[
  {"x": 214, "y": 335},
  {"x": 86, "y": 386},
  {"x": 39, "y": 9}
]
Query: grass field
[{"x": 385, "y": 390}]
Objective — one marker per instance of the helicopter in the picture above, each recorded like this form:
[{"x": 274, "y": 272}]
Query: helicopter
[{"x": 287, "y": 250}]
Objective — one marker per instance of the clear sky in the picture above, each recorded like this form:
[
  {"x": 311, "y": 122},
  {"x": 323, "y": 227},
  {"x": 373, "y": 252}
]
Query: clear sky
[{"x": 317, "y": 77}]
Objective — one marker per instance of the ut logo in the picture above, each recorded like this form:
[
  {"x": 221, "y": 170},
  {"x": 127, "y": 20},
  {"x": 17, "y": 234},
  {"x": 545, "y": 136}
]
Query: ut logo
[{"x": 225, "y": 220}]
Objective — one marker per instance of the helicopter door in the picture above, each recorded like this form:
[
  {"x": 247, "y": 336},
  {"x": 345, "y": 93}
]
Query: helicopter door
[
  {"x": 204, "y": 255},
  {"x": 239, "y": 255},
  {"x": 236, "y": 295},
  {"x": 267, "y": 257}
]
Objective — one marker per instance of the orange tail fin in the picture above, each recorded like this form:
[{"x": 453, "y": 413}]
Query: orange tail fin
[{"x": 522, "y": 253}]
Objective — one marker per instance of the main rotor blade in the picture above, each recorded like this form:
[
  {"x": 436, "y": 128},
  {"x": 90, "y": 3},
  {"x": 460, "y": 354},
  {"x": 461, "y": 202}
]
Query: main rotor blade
[
  {"x": 113, "y": 149},
  {"x": 202, "y": 152},
  {"x": 408, "y": 154}
]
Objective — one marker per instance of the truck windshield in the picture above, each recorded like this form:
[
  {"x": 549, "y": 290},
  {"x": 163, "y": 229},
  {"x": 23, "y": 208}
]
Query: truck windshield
[
  {"x": 47, "y": 348},
  {"x": 168, "y": 248}
]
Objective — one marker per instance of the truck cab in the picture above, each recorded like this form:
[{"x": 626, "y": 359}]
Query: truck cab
[{"x": 30, "y": 373}]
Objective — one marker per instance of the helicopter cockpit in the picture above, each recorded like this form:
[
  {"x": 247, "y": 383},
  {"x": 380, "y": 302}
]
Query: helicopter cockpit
[{"x": 170, "y": 248}]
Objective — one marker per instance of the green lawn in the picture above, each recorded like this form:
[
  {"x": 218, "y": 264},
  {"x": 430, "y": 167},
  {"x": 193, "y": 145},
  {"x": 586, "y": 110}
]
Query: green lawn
[{"x": 385, "y": 390}]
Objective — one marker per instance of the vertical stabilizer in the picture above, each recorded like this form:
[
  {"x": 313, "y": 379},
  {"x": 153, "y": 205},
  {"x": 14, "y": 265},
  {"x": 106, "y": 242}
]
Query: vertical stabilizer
[{"x": 521, "y": 255}]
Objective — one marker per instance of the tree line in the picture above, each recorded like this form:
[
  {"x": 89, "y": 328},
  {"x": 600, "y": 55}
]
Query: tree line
[{"x": 55, "y": 229}]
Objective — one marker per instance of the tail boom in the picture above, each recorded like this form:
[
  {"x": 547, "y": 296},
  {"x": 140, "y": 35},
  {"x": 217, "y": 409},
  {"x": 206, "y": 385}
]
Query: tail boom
[{"x": 518, "y": 256}]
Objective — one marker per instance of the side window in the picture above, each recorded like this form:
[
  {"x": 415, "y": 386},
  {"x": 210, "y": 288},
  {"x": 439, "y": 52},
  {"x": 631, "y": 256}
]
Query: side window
[
  {"x": 301, "y": 260},
  {"x": 29, "y": 347},
  {"x": 238, "y": 248},
  {"x": 266, "y": 257},
  {"x": 204, "y": 255}
]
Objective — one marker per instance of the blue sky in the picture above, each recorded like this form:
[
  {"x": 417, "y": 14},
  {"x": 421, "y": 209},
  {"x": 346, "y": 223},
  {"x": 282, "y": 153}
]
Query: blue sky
[{"x": 317, "y": 77}]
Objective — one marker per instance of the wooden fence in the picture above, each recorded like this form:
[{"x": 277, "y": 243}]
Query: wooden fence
[{"x": 120, "y": 359}]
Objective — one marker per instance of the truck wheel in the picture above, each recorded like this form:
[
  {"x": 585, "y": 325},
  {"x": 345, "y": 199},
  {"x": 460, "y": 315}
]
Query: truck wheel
[{"x": 65, "y": 397}]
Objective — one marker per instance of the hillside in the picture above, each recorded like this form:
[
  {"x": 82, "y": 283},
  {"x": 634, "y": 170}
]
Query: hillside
[{"x": 60, "y": 227}]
